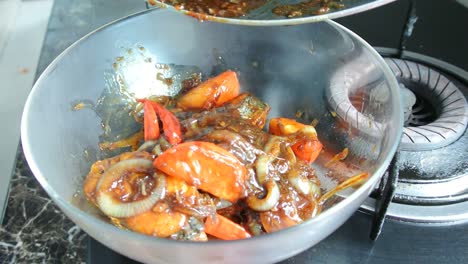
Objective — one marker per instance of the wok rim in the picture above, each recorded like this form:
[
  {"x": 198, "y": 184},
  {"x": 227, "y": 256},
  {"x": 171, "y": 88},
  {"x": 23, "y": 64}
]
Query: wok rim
[
  {"x": 284, "y": 21},
  {"x": 68, "y": 208}
]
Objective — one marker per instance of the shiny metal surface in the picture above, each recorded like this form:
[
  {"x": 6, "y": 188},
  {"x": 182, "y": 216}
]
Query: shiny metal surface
[
  {"x": 423, "y": 214},
  {"x": 263, "y": 16},
  {"x": 281, "y": 68}
]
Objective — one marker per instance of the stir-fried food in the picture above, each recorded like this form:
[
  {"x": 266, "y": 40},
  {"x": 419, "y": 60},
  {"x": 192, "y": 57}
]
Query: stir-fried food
[
  {"x": 206, "y": 168},
  {"x": 239, "y": 8}
]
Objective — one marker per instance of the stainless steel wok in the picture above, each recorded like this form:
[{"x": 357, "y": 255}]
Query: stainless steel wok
[{"x": 318, "y": 69}]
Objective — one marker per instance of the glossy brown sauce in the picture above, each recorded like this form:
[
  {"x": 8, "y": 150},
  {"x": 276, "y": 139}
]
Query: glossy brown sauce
[
  {"x": 132, "y": 187},
  {"x": 236, "y": 127},
  {"x": 201, "y": 9},
  {"x": 220, "y": 8},
  {"x": 307, "y": 8}
]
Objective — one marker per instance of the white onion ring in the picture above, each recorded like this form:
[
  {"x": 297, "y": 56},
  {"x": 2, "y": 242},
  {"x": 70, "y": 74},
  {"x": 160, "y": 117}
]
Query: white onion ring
[
  {"x": 270, "y": 200},
  {"x": 148, "y": 145},
  {"x": 115, "y": 208},
  {"x": 300, "y": 183},
  {"x": 272, "y": 149}
]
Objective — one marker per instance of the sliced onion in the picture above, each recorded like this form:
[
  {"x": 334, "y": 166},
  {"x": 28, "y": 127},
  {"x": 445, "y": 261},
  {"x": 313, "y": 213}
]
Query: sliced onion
[
  {"x": 115, "y": 172},
  {"x": 148, "y": 145},
  {"x": 157, "y": 150},
  {"x": 350, "y": 182},
  {"x": 115, "y": 208},
  {"x": 221, "y": 204},
  {"x": 289, "y": 155},
  {"x": 270, "y": 200},
  {"x": 315, "y": 190},
  {"x": 300, "y": 183},
  {"x": 272, "y": 149},
  {"x": 261, "y": 168}
]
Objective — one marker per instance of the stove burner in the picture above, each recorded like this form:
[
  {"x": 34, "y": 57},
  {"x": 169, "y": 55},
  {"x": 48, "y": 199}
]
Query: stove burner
[
  {"x": 432, "y": 184},
  {"x": 440, "y": 114},
  {"x": 432, "y": 165},
  {"x": 408, "y": 101},
  {"x": 421, "y": 113}
]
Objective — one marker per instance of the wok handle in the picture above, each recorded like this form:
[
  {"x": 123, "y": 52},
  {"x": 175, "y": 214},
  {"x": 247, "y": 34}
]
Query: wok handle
[{"x": 385, "y": 195}]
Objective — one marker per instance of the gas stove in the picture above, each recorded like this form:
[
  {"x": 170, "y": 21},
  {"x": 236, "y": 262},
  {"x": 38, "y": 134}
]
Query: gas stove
[{"x": 419, "y": 212}]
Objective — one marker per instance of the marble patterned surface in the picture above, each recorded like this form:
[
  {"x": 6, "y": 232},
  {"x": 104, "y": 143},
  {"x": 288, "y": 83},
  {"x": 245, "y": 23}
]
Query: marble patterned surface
[{"x": 34, "y": 230}]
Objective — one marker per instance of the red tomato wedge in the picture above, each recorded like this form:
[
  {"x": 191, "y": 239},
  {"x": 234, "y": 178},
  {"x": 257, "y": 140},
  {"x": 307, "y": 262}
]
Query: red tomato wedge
[
  {"x": 206, "y": 166},
  {"x": 212, "y": 93},
  {"x": 223, "y": 228},
  {"x": 307, "y": 150},
  {"x": 284, "y": 126}
]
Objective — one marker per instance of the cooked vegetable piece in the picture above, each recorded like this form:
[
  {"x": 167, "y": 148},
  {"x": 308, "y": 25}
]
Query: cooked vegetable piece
[
  {"x": 151, "y": 124},
  {"x": 280, "y": 219},
  {"x": 247, "y": 106},
  {"x": 223, "y": 228},
  {"x": 186, "y": 199},
  {"x": 284, "y": 126},
  {"x": 269, "y": 201},
  {"x": 115, "y": 192},
  {"x": 185, "y": 194},
  {"x": 350, "y": 182},
  {"x": 340, "y": 156},
  {"x": 101, "y": 166},
  {"x": 195, "y": 188},
  {"x": 292, "y": 209},
  {"x": 192, "y": 231},
  {"x": 307, "y": 150},
  {"x": 161, "y": 224},
  {"x": 213, "y": 92},
  {"x": 171, "y": 125},
  {"x": 131, "y": 141},
  {"x": 306, "y": 145},
  {"x": 206, "y": 166}
]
